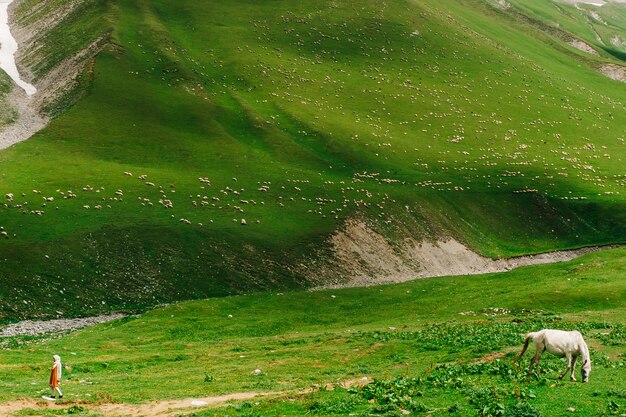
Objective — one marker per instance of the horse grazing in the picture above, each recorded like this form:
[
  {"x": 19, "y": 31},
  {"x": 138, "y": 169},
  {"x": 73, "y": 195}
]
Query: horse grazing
[{"x": 560, "y": 343}]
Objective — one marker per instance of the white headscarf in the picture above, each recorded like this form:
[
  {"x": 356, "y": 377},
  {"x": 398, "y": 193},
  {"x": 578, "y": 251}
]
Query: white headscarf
[{"x": 57, "y": 363}]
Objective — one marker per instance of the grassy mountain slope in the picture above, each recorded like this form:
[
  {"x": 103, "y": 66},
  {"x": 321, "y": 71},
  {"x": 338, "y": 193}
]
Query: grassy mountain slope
[
  {"x": 449, "y": 331},
  {"x": 428, "y": 119},
  {"x": 603, "y": 27},
  {"x": 7, "y": 113}
]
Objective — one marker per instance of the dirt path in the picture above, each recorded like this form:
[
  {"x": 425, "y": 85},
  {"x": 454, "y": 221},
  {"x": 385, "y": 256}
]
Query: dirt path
[
  {"x": 152, "y": 409},
  {"x": 166, "y": 408},
  {"x": 176, "y": 407}
]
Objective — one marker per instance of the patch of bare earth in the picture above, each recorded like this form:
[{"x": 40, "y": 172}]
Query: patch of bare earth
[
  {"x": 175, "y": 407},
  {"x": 362, "y": 254},
  {"x": 153, "y": 409},
  {"x": 617, "y": 41},
  {"x": 614, "y": 71},
  {"x": 503, "y": 4},
  {"x": 491, "y": 357},
  {"x": 364, "y": 257},
  {"x": 583, "y": 46},
  {"x": 166, "y": 408}
]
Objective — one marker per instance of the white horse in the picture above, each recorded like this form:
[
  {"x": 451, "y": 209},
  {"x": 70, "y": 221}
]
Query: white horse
[{"x": 570, "y": 345}]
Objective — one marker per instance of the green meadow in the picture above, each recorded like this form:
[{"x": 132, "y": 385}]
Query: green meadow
[{"x": 441, "y": 346}]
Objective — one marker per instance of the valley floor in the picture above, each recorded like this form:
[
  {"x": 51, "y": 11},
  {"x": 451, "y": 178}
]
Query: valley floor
[{"x": 440, "y": 346}]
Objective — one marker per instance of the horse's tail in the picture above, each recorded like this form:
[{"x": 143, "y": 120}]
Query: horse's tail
[{"x": 527, "y": 340}]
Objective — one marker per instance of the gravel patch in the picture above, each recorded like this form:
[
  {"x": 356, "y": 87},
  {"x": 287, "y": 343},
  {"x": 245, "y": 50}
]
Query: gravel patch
[{"x": 36, "y": 328}]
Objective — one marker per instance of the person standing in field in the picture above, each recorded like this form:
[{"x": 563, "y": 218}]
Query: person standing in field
[{"x": 55, "y": 377}]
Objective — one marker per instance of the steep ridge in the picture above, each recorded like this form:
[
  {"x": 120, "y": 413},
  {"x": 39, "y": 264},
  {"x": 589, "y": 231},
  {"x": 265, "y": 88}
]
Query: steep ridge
[
  {"x": 595, "y": 28},
  {"x": 218, "y": 149},
  {"x": 57, "y": 40}
]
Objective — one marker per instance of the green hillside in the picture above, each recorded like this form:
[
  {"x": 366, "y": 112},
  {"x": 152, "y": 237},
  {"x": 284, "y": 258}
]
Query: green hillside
[
  {"x": 427, "y": 119},
  {"x": 442, "y": 346},
  {"x": 601, "y": 27},
  {"x": 7, "y": 114}
]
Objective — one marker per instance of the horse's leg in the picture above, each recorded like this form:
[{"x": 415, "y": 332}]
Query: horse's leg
[
  {"x": 535, "y": 358},
  {"x": 571, "y": 375},
  {"x": 568, "y": 356},
  {"x": 532, "y": 362},
  {"x": 535, "y": 361}
]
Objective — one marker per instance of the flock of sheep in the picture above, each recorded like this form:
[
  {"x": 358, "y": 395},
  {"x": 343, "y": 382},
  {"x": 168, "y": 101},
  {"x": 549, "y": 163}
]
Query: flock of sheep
[{"x": 412, "y": 109}]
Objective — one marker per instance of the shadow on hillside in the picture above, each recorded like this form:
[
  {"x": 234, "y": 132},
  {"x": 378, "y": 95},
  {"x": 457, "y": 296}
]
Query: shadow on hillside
[{"x": 617, "y": 54}]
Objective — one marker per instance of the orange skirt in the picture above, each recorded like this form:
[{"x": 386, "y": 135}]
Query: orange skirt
[{"x": 54, "y": 378}]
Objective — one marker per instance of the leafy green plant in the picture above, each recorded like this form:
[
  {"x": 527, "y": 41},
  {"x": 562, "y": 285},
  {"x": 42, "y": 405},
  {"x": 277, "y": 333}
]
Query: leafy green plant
[
  {"x": 75, "y": 409},
  {"x": 488, "y": 402},
  {"x": 522, "y": 409},
  {"x": 395, "y": 394},
  {"x": 612, "y": 407},
  {"x": 339, "y": 406}
]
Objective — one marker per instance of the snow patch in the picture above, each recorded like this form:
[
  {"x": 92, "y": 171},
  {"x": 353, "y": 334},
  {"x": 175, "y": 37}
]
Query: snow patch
[{"x": 9, "y": 48}]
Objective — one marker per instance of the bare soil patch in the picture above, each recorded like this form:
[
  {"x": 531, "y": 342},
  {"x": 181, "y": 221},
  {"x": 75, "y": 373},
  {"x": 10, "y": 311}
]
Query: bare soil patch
[
  {"x": 152, "y": 409},
  {"x": 166, "y": 408},
  {"x": 366, "y": 258},
  {"x": 614, "y": 71},
  {"x": 583, "y": 46}
]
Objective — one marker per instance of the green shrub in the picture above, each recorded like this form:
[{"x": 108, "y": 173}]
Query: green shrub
[
  {"x": 522, "y": 410},
  {"x": 75, "y": 409}
]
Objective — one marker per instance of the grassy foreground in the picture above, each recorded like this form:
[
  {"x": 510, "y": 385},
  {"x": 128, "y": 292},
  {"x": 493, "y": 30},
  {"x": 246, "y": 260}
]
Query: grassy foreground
[{"x": 442, "y": 346}]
